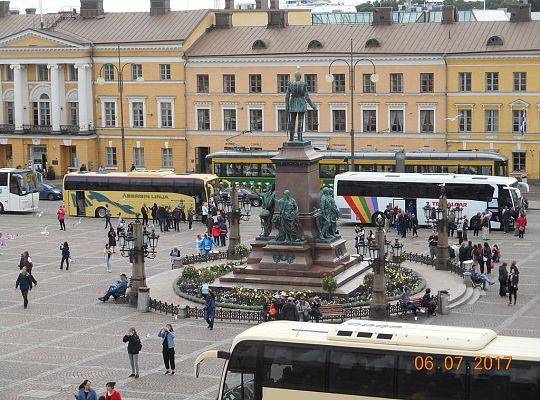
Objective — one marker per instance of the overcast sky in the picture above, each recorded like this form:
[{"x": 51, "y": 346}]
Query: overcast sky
[{"x": 124, "y": 5}]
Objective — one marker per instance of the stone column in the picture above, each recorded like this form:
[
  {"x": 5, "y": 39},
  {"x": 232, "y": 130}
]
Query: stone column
[
  {"x": 84, "y": 96},
  {"x": 380, "y": 302},
  {"x": 20, "y": 87},
  {"x": 57, "y": 95},
  {"x": 1, "y": 97}
]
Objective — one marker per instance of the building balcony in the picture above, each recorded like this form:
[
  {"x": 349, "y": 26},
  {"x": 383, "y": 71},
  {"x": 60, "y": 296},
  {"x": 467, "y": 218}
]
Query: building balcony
[
  {"x": 69, "y": 129},
  {"x": 7, "y": 129},
  {"x": 46, "y": 130},
  {"x": 37, "y": 129}
]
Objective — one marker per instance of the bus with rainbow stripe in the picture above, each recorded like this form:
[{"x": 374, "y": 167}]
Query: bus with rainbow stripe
[{"x": 362, "y": 196}]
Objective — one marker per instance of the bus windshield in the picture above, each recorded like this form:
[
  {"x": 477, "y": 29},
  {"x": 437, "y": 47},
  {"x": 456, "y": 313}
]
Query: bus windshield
[{"x": 23, "y": 183}]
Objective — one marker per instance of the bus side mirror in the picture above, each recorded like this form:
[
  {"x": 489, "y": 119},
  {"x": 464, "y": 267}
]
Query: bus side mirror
[{"x": 224, "y": 355}]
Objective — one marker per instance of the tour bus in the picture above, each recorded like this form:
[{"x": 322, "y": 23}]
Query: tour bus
[
  {"x": 19, "y": 190},
  {"x": 362, "y": 359},
  {"x": 362, "y": 196},
  {"x": 89, "y": 193}
]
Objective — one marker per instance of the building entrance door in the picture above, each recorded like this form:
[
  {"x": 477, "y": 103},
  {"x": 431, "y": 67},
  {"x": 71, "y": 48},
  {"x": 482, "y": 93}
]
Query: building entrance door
[{"x": 201, "y": 166}]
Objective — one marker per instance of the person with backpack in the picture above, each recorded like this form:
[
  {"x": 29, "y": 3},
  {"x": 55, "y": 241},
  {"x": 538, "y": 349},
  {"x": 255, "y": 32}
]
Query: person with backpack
[
  {"x": 65, "y": 255},
  {"x": 207, "y": 244},
  {"x": 134, "y": 347}
]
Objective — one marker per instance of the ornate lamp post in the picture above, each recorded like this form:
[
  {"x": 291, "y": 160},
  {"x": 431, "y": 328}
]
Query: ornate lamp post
[
  {"x": 442, "y": 232},
  {"x": 137, "y": 244},
  {"x": 236, "y": 210},
  {"x": 351, "y": 63}
]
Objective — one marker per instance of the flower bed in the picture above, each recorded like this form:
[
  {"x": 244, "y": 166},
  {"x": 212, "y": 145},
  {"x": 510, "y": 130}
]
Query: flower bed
[{"x": 188, "y": 286}]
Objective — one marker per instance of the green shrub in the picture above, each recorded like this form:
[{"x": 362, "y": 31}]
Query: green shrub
[
  {"x": 329, "y": 284},
  {"x": 241, "y": 251}
]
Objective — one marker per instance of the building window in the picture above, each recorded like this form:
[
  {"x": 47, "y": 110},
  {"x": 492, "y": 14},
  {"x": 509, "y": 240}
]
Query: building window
[
  {"x": 166, "y": 114},
  {"x": 73, "y": 109},
  {"x": 368, "y": 86},
  {"x": 519, "y": 121},
  {"x": 369, "y": 120},
  {"x": 203, "y": 119},
  {"x": 138, "y": 156},
  {"x": 311, "y": 82},
  {"x": 339, "y": 120},
  {"x": 108, "y": 72},
  {"x": 42, "y": 111},
  {"x": 396, "y": 83},
  {"x": 464, "y": 81},
  {"x": 518, "y": 161},
  {"x": 42, "y": 73},
  {"x": 203, "y": 85},
  {"x": 137, "y": 113},
  {"x": 492, "y": 81},
  {"x": 166, "y": 158},
  {"x": 282, "y": 82},
  {"x": 396, "y": 120},
  {"x": 229, "y": 84},
  {"x": 465, "y": 120},
  {"x": 136, "y": 71},
  {"x": 312, "y": 121},
  {"x": 229, "y": 119},
  {"x": 10, "y": 106},
  {"x": 165, "y": 72},
  {"x": 426, "y": 83},
  {"x": 9, "y": 73},
  {"x": 492, "y": 120},
  {"x": 427, "y": 118},
  {"x": 109, "y": 108},
  {"x": 255, "y": 119},
  {"x": 282, "y": 123},
  {"x": 338, "y": 84},
  {"x": 520, "y": 81},
  {"x": 255, "y": 83},
  {"x": 111, "y": 156},
  {"x": 73, "y": 73}
]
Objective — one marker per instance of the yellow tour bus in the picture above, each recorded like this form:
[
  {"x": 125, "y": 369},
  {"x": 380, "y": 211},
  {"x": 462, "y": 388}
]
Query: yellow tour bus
[
  {"x": 362, "y": 359},
  {"x": 88, "y": 194}
]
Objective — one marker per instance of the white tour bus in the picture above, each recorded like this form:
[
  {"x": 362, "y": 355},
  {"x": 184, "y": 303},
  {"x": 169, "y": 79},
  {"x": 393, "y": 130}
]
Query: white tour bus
[
  {"x": 19, "y": 190},
  {"x": 361, "y": 196},
  {"x": 362, "y": 359}
]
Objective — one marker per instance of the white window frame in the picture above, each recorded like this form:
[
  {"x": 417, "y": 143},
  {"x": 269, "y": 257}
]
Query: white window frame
[
  {"x": 336, "y": 108},
  {"x": 318, "y": 120},
  {"x": 369, "y": 107},
  {"x": 249, "y": 117},
  {"x": 133, "y": 77},
  {"x": 280, "y": 107},
  {"x": 47, "y": 73},
  {"x": 486, "y": 110},
  {"x": 164, "y": 77},
  {"x": 108, "y": 70},
  {"x": 223, "y": 108},
  {"x": 103, "y": 119},
  {"x": 425, "y": 107},
  {"x": 197, "y": 118},
  {"x": 107, "y": 156},
  {"x": 70, "y": 69},
  {"x": 163, "y": 159},
  {"x": 135, "y": 158},
  {"x": 402, "y": 108},
  {"x": 137, "y": 100},
  {"x": 161, "y": 100}
]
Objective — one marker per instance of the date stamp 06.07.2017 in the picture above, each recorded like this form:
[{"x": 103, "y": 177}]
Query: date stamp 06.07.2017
[{"x": 457, "y": 363}]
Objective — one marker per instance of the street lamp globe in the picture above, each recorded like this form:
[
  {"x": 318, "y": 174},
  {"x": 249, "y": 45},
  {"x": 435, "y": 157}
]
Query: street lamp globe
[
  {"x": 374, "y": 78},
  {"x": 329, "y": 78}
]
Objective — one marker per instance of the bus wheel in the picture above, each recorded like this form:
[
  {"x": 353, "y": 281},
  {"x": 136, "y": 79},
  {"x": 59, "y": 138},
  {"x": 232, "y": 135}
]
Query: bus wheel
[
  {"x": 100, "y": 212},
  {"x": 375, "y": 216}
]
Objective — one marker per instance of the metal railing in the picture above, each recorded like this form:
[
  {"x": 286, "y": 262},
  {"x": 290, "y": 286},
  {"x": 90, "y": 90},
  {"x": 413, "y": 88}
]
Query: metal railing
[
  {"x": 7, "y": 128},
  {"x": 202, "y": 258},
  {"x": 37, "y": 129},
  {"x": 69, "y": 129},
  {"x": 453, "y": 266}
]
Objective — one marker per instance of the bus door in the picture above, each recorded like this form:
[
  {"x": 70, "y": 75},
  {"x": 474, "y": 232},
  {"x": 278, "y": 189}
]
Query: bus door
[
  {"x": 496, "y": 211},
  {"x": 80, "y": 202},
  {"x": 399, "y": 203},
  {"x": 410, "y": 206}
]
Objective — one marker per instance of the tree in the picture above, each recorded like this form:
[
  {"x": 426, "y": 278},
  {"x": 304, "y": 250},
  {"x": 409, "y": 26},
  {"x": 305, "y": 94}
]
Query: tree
[{"x": 329, "y": 285}]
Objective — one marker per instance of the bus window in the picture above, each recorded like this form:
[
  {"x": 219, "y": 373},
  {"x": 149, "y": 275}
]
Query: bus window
[
  {"x": 501, "y": 168},
  {"x": 368, "y": 168},
  {"x": 376, "y": 370},
  {"x": 220, "y": 169},
  {"x": 14, "y": 184},
  {"x": 452, "y": 169},
  {"x": 505, "y": 199},
  {"x": 519, "y": 382},
  {"x": 3, "y": 178},
  {"x": 268, "y": 170},
  {"x": 469, "y": 169},
  {"x": 240, "y": 379},
  {"x": 418, "y": 379},
  {"x": 234, "y": 169},
  {"x": 294, "y": 367},
  {"x": 327, "y": 170},
  {"x": 251, "y": 170},
  {"x": 410, "y": 168},
  {"x": 486, "y": 169},
  {"x": 388, "y": 168}
]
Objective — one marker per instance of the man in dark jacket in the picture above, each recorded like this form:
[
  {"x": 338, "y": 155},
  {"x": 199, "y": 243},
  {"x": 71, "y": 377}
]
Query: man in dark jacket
[
  {"x": 289, "y": 311},
  {"x": 475, "y": 224},
  {"x": 24, "y": 283},
  {"x": 462, "y": 256},
  {"x": 469, "y": 251},
  {"x": 506, "y": 217}
]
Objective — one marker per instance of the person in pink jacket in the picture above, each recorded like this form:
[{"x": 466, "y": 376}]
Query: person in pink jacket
[{"x": 61, "y": 213}]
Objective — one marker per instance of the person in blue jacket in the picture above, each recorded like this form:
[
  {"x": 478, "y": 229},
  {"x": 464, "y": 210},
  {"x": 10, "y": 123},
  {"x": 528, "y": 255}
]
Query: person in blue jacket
[
  {"x": 86, "y": 392},
  {"x": 116, "y": 290},
  {"x": 168, "y": 335},
  {"x": 24, "y": 283},
  {"x": 207, "y": 243},
  {"x": 210, "y": 309}
]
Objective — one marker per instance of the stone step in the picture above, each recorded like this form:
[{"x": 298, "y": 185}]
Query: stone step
[
  {"x": 462, "y": 300},
  {"x": 351, "y": 273}
]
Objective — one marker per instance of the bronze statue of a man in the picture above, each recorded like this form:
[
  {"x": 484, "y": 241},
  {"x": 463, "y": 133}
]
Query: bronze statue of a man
[{"x": 296, "y": 98}]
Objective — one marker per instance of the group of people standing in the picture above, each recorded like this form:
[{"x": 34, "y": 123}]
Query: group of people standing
[
  {"x": 167, "y": 217},
  {"x": 283, "y": 307},
  {"x": 401, "y": 220}
]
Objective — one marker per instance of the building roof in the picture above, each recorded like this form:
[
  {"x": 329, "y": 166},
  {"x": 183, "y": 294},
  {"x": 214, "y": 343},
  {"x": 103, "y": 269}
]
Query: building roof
[
  {"x": 426, "y": 38},
  {"x": 126, "y": 27}
]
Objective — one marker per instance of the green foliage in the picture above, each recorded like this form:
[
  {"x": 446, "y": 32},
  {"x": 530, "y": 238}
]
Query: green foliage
[
  {"x": 329, "y": 284},
  {"x": 241, "y": 251},
  {"x": 368, "y": 280},
  {"x": 194, "y": 277}
]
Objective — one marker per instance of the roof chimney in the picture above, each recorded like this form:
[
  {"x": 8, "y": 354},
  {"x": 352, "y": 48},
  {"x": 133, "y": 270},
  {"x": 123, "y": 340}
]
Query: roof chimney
[
  {"x": 30, "y": 11},
  {"x": 274, "y": 4},
  {"x": 160, "y": 7},
  {"x": 229, "y": 4},
  {"x": 277, "y": 19},
  {"x": 261, "y": 4},
  {"x": 519, "y": 12},
  {"x": 91, "y": 8},
  {"x": 382, "y": 16},
  {"x": 14, "y": 12},
  {"x": 4, "y": 9},
  {"x": 449, "y": 15}
]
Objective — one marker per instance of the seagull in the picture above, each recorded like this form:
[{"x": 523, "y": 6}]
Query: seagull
[
  {"x": 454, "y": 118},
  {"x": 38, "y": 214},
  {"x": 44, "y": 231},
  {"x": 147, "y": 335},
  {"x": 77, "y": 222}
]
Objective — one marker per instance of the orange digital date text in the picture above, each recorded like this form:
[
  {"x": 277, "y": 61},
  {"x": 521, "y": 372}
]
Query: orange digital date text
[{"x": 455, "y": 363}]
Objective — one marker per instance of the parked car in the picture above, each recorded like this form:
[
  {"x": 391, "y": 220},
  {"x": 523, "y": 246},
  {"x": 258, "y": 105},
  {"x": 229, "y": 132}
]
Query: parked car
[
  {"x": 253, "y": 196},
  {"x": 49, "y": 192}
]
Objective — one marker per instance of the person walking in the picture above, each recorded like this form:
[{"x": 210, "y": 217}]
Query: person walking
[
  {"x": 107, "y": 217},
  {"x": 210, "y": 309},
  {"x": 133, "y": 348},
  {"x": 513, "y": 280},
  {"x": 223, "y": 230},
  {"x": 65, "y": 255},
  {"x": 208, "y": 244},
  {"x": 120, "y": 224},
  {"x": 85, "y": 392},
  {"x": 176, "y": 219},
  {"x": 521, "y": 223},
  {"x": 480, "y": 257},
  {"x": 61, "y": 214},
  {"x": 190, "y": 216},
  {"x": 168, "y": 335},
  {"x": 144, "y": 213},
  {"x": 459, "y": 230},
  {"x": 503, "y": 280},
  {"x": 153, "y": 212},
  {"x": 475, "y": 224},
  {"x": 25, "y": 281},
  {"x": 484, "y": 223},
  {"x": 487, "y": 257},
  {"x": 108, "y": 257},
  {"x": 112, "y": 239},
  {"x": 204, "y": 213},
  {"x": 182, "y": 209},
  {"x": 433, "y": 241},
  {"x": 414, "y": 223}
]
